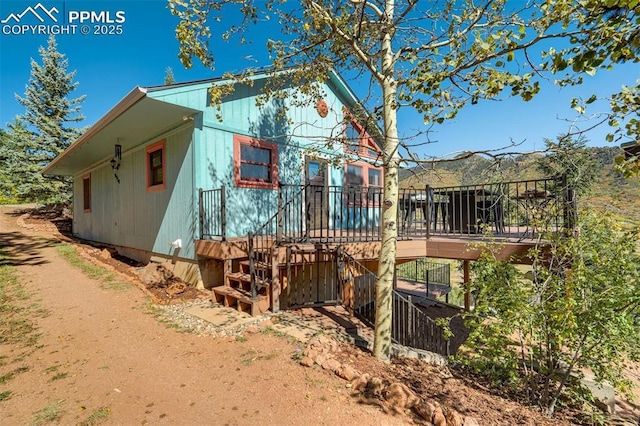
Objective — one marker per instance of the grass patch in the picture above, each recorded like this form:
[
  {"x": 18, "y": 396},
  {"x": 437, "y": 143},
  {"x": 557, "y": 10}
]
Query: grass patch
[
  {"x": 5, "y": 395},
  {"x": 10, "y": 375},
  {"x": 109, "y": 279},
  {"x": 49, "y": 414},
  {"x": 97, "y": 417},
  {"x": 16, "y": 325},
  {"x": 59, "y": 376}
]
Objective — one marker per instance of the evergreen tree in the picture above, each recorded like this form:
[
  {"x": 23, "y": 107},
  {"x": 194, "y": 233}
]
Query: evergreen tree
[
  {"x": 12, "y": 159},
  {"x": 47, "y": 131},
  {"x": 168, "y": 77}
]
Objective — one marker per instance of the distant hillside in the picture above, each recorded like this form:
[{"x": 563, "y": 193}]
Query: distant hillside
[{"x": 611, "y": 192}]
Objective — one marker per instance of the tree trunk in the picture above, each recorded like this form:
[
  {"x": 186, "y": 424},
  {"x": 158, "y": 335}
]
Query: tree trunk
[{"x": 387, "y": 261}]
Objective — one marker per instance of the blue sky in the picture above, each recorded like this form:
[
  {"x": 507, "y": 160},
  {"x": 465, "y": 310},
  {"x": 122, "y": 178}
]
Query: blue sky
[{"x": 109, "y": 66}]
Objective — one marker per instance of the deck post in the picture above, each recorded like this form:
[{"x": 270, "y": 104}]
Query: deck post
[
  {"x": 275, "y": 280},
  {"x": 252, "y": 266},
  {"x": 201, "y": 213},
  {"x": 223, "y": 213},
  {"x": 429, "y": 202},
  {"x": 467, "y": 284},
  {"x": 279, "y": 216}
]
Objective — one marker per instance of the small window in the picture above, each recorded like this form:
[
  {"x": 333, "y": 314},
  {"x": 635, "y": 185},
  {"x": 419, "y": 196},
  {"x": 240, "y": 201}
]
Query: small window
[
  {"x": 353, "y": 138},
  {"x": 156, "y": 167},
  {"x": 354, "y": 175},
  {"x": 364, "y": 184},
  {"x": 374, "y": 177},
  {"x": 374, "y": 193},
  {"x": 86, "y": 193},
  {"x": 255, "y": 163}
]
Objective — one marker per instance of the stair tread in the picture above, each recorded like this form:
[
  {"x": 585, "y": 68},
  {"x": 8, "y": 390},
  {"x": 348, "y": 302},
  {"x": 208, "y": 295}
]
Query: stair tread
[
  {"x": 256, "y": 263},
  {"x": 239, "y": 294},
  {"x": 243, "y": 276}
]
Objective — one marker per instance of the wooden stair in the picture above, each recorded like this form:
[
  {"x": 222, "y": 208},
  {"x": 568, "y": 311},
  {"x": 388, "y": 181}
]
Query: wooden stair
[{"x": 236, "y": 292}]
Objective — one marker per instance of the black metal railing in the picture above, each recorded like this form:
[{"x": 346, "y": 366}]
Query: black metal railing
[
  {"x": 519, "y": 209},
  {"x": 261, "y": 243},
  {"x": 331, "y": 214},
  {"x": 435, "y": 276},
  {"x": 410, "y": 326},
  {"x": 212, "y": 213},
  {"x": 336, "y": 214}
]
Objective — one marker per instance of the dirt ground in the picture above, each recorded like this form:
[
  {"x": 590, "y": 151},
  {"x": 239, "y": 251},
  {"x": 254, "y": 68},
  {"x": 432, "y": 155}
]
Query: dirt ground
[{"x": 102, "y": 356}]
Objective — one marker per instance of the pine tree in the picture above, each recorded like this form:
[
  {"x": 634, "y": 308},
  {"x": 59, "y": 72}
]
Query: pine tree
[{"x": 47, "y": 132}]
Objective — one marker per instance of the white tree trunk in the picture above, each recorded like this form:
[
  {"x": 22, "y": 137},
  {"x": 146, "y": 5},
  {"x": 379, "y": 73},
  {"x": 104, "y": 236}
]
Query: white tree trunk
[{"x": 387, "y": 261}]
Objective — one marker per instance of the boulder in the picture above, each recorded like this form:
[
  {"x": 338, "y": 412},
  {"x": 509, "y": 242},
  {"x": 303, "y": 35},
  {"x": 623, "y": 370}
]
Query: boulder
[
  {"x": 347, "y": 372},
  {"x": 155, "y": 275},
  {"x": 453, "y": 417},
  {"x": 438, "y": 417},
  {"x": 400, "y": 397},
  {"x": 360, "y": 382}
]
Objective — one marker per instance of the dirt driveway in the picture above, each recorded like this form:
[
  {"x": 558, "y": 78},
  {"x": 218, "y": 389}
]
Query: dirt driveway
[{"x": 102, "y": 357}]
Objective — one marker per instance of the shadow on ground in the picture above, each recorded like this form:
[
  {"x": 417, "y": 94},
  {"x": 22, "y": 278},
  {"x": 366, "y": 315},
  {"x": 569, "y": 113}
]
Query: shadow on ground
[{"x": 19, "y": 249}]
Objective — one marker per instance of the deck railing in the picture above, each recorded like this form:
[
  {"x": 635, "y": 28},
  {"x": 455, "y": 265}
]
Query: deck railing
[
  {"x": 435, "y": 276},
  {"x": 212, "y": 213},
  {"x": 335, "y": 214},
  {"x": 410, "y": 326},
  {"x": 518, "y": 209}
]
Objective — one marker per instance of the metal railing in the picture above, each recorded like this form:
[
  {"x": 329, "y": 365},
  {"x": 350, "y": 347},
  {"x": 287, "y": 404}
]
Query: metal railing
[
  {"x": 261, "y": 243},
  {"x": 331, "y": 214},
  {"x": 518, "y": 209},
  {"x": 336, "y": 214},
  {"x": 410, "y": 326},
  {"x": 435, "y": 276},
  {"x": 212, "y": 213}
]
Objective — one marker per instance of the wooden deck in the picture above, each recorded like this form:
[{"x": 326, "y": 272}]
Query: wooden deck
[{"x": 442, "y": 247}]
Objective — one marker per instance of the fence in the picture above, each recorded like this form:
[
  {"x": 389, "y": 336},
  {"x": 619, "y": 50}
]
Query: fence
[
  {"x": 212, "y": 213},
  {"x": 410, "y": 326},
  {"x": 435, "y": 276},
  {"x": 522, "y": 209}
]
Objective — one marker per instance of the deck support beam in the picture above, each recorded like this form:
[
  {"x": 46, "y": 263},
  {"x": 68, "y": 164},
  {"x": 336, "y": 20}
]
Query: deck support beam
[{"x": 275, "y": 280}]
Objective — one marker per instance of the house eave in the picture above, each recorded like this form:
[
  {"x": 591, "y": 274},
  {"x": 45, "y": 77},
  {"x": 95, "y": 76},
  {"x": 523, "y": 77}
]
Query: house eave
[
  {"x": 131, "y": 122},
  {"x": 130, "y": 99}
]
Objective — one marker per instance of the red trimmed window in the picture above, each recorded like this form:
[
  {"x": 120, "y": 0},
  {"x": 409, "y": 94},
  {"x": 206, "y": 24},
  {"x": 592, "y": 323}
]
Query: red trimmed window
[
  {"x": 255, "y": 163},
  {"x": 357, "y": 140},
  {"x": 156, "y": 166},
  {"x": 364, "y": 183},
  {"x": 86, "y": 193}
]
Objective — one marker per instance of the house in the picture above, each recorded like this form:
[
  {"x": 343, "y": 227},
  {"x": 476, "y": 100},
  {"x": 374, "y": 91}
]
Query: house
[{"x": 142, "y": 172}]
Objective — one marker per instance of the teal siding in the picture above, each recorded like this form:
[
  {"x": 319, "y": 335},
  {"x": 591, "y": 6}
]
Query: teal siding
[
  {"x": 126, "y": 214},
  {"x": 248, "y": 209},
  {"x": 199, "y": 154}
]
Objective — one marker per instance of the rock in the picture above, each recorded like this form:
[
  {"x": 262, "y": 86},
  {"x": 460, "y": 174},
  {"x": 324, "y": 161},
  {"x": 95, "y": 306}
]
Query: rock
[
  {"x": 252, "y": 329},
  {"x": 310, "y": 352},
  {"x": 453, "y": 417},
  {"x": 470, "y": 421},
  {"x": 105, "y": 254},
  {"x": 332, "y": 365},
  {"x": 376, "y": 386},
  {"x": 265, "y": 324},
  {"x": 154, "y": 275},
  {"x": 320, "y": 359},
  {"x": 347, "y": 372},
  {"x": 306, "y": 361},
  {"x": 400, "y": 397},
  {"x": 438, "y": 417},
  {"x": 425, "y": 409},
  {"x": 360, "y": 382}
]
